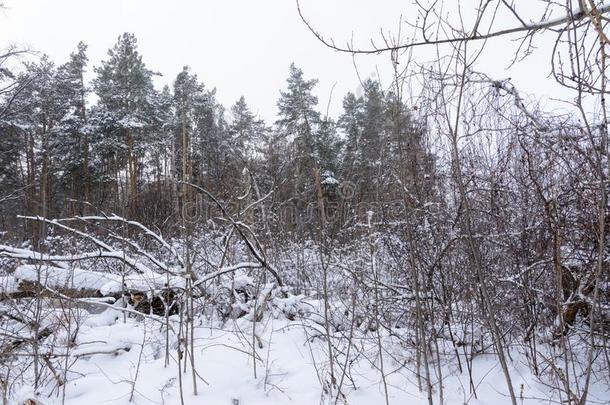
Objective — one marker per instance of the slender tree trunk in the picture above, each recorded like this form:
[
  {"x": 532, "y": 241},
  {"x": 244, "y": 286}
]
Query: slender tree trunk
[{"x": 472, "y": 243}]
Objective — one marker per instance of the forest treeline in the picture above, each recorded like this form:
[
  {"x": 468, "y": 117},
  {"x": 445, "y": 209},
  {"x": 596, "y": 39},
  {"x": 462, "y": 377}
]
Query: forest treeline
[{"x": 128, "y": 150}]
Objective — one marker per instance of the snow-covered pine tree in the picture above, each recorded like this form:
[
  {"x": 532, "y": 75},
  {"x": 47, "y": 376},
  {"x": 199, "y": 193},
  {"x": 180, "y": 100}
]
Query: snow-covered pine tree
[
  {"x": 299, "y": 122},
  {"x": 70, "y": 142},
  {"x": 350, "y": 123},
  {"x": 247, "y": 134},
  {"x": 372, "y": 145},
  {"x": 126, "y": 100},
  {"x": 188, "y": 96}
]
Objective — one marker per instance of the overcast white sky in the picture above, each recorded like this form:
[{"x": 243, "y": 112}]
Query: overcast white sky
[{"x": 242, "y": 47}]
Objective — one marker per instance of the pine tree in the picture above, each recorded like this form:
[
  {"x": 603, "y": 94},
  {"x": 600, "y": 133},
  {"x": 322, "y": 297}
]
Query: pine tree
[
  {"x": 407, "y": 153},
  {"x": 126, "y": 100},
  {"x": 10, "y": 168},
  {"x": 327, "y": 148},
  {"x": 247, "y": 136},
  {"x": 245, "y": 132},
  {"x": 37, "y": 112},
  {"x": 11, "y": 135},
  {"x": 70, "y": 142},
  {"x": 364, "y": 124},
  {"x": 372, "y": 145},
  {"x": 299, "y": 122},
  {"x": 188, "y": 95},
  {"x": 351, "y": 123},
  {"x": 211, "y": 147}
]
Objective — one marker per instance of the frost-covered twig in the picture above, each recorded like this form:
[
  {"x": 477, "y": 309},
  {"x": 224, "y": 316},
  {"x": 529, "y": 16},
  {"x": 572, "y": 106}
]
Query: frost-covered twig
[
  {"x": 117, "y": 218},
  {"x": 20, "y": 253},
  {"x": 258, "y": 255}
]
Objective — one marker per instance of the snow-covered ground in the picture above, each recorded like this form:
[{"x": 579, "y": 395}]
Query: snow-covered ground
[{"x": 118, "y": 359}]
